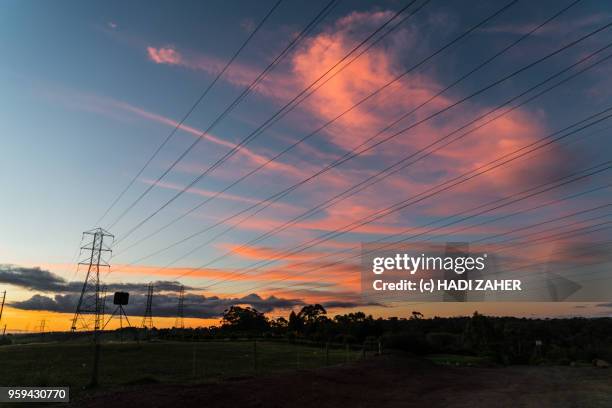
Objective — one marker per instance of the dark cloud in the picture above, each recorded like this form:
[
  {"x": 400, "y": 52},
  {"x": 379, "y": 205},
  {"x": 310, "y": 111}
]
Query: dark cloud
[
  {"x": 59, "y": 303},
  {"x": 341, "y": 305},
  {"x": 62, "y": 296},
  {"x": 46, "y": 281},
  {"x": 32, "y": 278},
  {"x": 604, "y": 305},
  {"x": 164, "y": 304}
]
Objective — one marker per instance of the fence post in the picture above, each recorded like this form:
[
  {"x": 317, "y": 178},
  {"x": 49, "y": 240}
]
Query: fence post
[
  {"x": 96, "y": 361},
  {"x": 255, "y": 356},
  {"x": 379, "y": 347},
  {"x": 327, "y": 353},
  {"x": 297, "y": 356},
  {"x": 346, "y": 347},
  {"x": 193, "y": 360}
]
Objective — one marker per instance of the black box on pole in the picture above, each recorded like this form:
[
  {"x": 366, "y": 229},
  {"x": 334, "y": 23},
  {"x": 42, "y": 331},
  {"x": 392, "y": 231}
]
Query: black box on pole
[{"x": 121, "y": 298}]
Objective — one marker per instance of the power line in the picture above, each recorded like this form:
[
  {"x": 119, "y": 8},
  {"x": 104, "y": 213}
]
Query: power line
[
  {"x": 390, "y": 170},
  {"x": 420, "y": 150},
  {"x": 190, "y": 111},
  {"x": 401, "y": 118},
  {"x": 209, "y": 262},
  {"x": 395, "y": 165},
  {"x": 346, "y": 157},
  {"x": 245, "y": 140},
  {"x": 413, "y": 200}
]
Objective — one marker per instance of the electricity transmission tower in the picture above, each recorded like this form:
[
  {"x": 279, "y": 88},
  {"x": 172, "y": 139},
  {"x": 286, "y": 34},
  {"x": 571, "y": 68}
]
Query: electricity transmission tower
[
  {"x": 147, "y": 319},
  {"x": 180, "y": 323},
  {"x": 89, "y": 309}
]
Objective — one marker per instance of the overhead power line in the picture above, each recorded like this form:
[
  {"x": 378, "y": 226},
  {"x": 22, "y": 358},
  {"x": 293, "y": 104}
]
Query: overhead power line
[
  {"x": 393, "y": 167},
  {"x": 496, "y": 163},
  {"x": 376, "y": 92}
]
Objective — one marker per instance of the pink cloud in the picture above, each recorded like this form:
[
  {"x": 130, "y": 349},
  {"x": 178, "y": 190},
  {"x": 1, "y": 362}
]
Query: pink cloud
[
  {"x": 166, "y": 55},
  {"x": 277, "y": 85}
]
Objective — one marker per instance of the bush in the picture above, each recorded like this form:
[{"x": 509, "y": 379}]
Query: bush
[
  {"x": 443, "y": 342},
  {"x": 413, "y": 342}
]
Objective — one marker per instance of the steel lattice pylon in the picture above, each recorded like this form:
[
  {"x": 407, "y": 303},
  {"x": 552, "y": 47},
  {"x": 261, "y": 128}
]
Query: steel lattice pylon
[
  {"x": 147, "y": 320},
  {"x": 88, "y": 313}
]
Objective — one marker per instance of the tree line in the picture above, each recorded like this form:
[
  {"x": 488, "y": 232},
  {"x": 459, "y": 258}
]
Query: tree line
[{"x": 501, "y": 340}]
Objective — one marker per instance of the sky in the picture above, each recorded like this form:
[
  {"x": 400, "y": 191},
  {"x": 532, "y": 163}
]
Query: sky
[{"x": 90, "y": 91}]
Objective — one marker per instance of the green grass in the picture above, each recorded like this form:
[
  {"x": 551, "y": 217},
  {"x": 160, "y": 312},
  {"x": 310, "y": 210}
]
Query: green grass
[{"x": 60, "y": 364}]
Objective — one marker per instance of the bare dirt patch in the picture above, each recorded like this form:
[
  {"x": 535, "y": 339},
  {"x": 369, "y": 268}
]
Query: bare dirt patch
[{"x": 388, "y": 381}]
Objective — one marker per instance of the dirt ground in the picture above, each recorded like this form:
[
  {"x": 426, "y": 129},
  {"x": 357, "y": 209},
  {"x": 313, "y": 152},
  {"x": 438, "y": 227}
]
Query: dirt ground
[{"x": 387, "y": 381}]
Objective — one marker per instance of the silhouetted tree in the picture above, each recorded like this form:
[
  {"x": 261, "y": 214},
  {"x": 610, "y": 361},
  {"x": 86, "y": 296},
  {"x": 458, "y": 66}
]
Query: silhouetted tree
[
  {"x": 244, "y": 319},
  {"x": 312, "y": 314},
  {"x": 295, "y": 323}
]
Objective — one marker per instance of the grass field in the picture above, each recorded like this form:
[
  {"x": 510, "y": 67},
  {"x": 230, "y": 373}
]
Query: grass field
[
  {"x": 47, "y": 364},
  {"x": 161, "y": 374}
]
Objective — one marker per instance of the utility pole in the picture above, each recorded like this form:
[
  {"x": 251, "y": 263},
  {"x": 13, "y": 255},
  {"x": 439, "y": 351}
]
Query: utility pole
[
  {"x": 90, "y": 303},
  {"x": 147, "y": 319},
  {"x": 103, "y": 300},
  {"x": 180, "y": 322},
  {"x": 42, "y": 327},
  {"x": 2, "y": 307}
]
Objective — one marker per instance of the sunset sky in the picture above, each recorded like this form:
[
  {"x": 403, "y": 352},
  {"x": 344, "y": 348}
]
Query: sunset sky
[{"x": 89, "y": 91}]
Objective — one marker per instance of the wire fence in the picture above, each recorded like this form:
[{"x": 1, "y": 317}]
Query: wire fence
[{"x": 129, "y": 361}]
